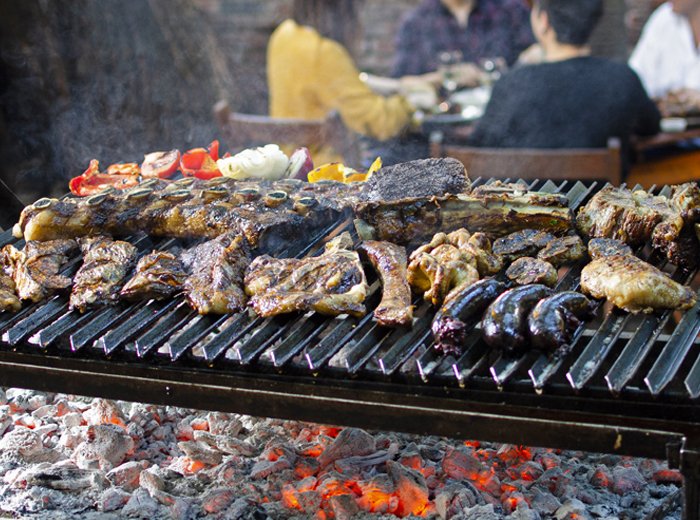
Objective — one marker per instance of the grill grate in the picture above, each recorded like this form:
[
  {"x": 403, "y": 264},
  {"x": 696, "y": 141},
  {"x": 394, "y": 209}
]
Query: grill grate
[{"x": 616, "y": 355}]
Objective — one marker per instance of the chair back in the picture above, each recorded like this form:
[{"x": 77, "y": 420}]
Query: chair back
[
  {"x": 535, "y": 163},
  {"x": 246, "y": 130}
]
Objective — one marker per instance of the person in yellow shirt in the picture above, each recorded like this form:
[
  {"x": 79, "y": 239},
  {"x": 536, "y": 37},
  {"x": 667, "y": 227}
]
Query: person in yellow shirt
[{"x": 311, "y": 73}]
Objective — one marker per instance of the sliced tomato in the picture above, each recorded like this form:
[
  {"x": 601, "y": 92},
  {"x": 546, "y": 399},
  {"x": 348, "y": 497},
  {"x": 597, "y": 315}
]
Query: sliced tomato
[
  {"x": 201, "y": 162},
  {"x": 123, "y": 169},
  {"x": 160, "y": 164}
]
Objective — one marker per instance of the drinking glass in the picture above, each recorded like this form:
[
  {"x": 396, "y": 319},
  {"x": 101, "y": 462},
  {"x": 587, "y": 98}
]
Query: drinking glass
[
  {"x": 448, "y": 60},
  {"x": 493, "y": 68}
]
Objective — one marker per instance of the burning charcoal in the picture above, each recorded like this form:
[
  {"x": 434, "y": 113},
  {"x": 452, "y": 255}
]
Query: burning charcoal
[
  {"x": 104, "y": 411},
  {"x": 235, "y": 446},
  {"x": 106, "y": 446},
  {"x": 306, "y": 467},
  {"x": 627, "y": 480},
  {"x": 200, "y": 452},
  {"x": 571, "y": 509},
  {"x": 601, "y": 477},
  {"x": 216, "y": 500},
  {"x": 354, "y": 465},
  {"x": 350, "y": 442},
  {"x": 264, "y": 468},
  {"x": 461, "y": 464},
  {"x": 3, "y": 397},
  {"x": 127, "y": 475},
  {"x": 112, "y": 499},
  {"x": 668, "y": 476},
  {"x": 410, "y": 488},
  {"x": 64, "y": 478},
  {"x": 378, "y": 495},
  {"x": 544, "y": 501},
  {"x": 344, "y": 507},
  {"x": 141, "y": 505},
  {"x": 151, "y": 481},
  {"x": 22, "y": 443}
]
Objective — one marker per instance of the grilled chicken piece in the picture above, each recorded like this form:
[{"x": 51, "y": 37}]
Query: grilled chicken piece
[
  {"x": 158, "y": 275},
  {"x": 35, "y": 269},
  {"x": 526, "y": 242},
  {"x": 599, "y": 247},
  {"x": 528, "y": 270},
  {"x": 487, "y": 262},
  {"x": 389, "y": 260},
  {"x": 106, "y": 265},
  {"x": 217, "y": 267},
  {"x": 562, "y": 251},
  {"x": 637, "y": 217},
  {"x": 331, "y": 284},
  {"x": 8, "y": 296},
  {"x": 440, "y": 266},
  {"x": 634, "y": 285},
  {"x": 495, "y": 209}
]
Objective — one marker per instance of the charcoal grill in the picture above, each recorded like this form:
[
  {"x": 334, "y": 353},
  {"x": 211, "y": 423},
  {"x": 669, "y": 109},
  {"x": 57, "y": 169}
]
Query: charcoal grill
[{"x": 629, "y": 385}]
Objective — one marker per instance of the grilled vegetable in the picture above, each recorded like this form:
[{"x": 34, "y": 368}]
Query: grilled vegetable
[
  {"x": 527, "y": 270},
  {"x": 450, "y": 326},
  {"x": 201, "y": 162},
  {"x": 554, "y": 319},
  {"x": 91, "y": 181},
  {"x": 160, "y": 164},
  {"x": 504, "y": 325}
]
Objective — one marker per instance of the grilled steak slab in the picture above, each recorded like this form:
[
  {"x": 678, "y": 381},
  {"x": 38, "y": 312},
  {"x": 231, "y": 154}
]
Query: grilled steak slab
[{"x": 158, "y": 275}]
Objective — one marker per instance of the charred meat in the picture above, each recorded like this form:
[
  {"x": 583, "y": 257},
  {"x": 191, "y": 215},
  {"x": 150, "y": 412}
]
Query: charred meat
[
  {"x": 158, "y": 275},
  {"x": 106, "y": 265},
  {"x": 495, "y": 209},
  {"x": 8, "y": 295},
  {"x": 389, "y": 260},
  {"x": 526, "y": 242},
  {"x": 332, "y": 283},
  {"x": 528, "y": 270},
  {"x": 35, "y": 269},
  {"x": 217, "y": 267},
  {"x": 554, "y": 320},
  {"x": 599, "y": 247},
  {"x": 563, "y": 250},
  {"x": 504, "y": 325},
  {"x": 455, "y": 318},
  {"x": 634, "y": 285},
  {"x": 635, "y": 217}
]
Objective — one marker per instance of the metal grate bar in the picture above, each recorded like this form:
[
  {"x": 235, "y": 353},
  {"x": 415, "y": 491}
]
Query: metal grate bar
[
  {"x": 273, "y": 328},
  {"x": 163, "y": 329},
  {"x": 102, "y": 320},
  {"x": 407, "y": 344},
  {"x": 306, "y": 328},
  {"x": 221, "y": 342},
  {"x": 198, "y": 329},
  {"x": 692, "y": 382},
  {"x": 146, "y": 314},
  {"x": 30, "y": 324},
  {"x": 58, "y": 329},
  {"x": 318, "y": 355},
  {"x": 597, "y": 349},
  {"x": 674, "y": 352},
  {"x": 474, "y": 356}
]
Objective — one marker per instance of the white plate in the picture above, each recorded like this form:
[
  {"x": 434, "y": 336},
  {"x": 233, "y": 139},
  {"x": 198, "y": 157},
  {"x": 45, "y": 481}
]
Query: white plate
[{"x": 474, "y": 97}]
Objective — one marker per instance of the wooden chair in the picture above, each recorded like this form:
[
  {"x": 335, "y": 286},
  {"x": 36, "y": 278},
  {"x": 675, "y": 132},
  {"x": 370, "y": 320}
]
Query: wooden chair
[
  {"x": 246, "y": 130},
  {"x": 532, "y": 163}
]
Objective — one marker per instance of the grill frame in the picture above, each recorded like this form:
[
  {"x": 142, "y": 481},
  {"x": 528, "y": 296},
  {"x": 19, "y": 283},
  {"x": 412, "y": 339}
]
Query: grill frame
[{"x": 284, "y": 370}]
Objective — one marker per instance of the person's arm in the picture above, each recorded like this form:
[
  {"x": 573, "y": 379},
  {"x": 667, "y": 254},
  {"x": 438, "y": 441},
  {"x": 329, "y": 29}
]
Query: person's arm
[
  {"x": 645, "y": 57},
  {"x": 365, "y": 112}
]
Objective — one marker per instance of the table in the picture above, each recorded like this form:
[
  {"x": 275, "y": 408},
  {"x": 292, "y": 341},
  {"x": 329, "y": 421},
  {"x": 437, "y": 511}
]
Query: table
[{"x": 661, "y": 159}]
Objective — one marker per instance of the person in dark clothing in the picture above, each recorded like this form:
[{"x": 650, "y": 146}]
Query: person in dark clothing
[{"x": 571, "y": 100}]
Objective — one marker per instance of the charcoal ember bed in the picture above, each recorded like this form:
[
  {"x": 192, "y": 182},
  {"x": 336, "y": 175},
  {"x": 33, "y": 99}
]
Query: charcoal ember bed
[{"x": 628, "y": 385}]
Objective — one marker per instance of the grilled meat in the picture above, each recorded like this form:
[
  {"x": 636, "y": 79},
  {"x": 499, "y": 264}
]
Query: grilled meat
[
  {"x": 495, "y": 209},
  {"x": 599, "y": 247},
  {"x": 158, "y": 275},
  {"x": 563, "y": 250},
  {"x": 416, "y": 179},
  {"x": 528, "y": 270},
  {"x": 504, "y": 325},
  {"x": 553, "y": 320},
  {"x": 637, "y": 217},
  {"x": 389, "y": 260},
  {"x": 106, "y": 264},
  {"x": 217, "y": 267},
  {"x": 452, "y": 322},
  {"x": 265, "y": 212},
  {"x": 331, "y": 284},
  {"x": 526, "y": 242},
  {"x": 438, "y": 267},
  {"x": 8, "y": 296},
  {"x": 479, "y": 246},
  {"x": 634, "y": 285},
  {"x": 35, "y": 269}
]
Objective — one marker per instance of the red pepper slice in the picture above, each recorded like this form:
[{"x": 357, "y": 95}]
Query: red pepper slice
[
  {"x": 201, "y": 162},
  {"x": 123, "y": 169},
  {"x": 92, "y": 181}
]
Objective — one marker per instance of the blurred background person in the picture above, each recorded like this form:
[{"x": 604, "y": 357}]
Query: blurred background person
[
  {"x": 571, "y": 99},
  {"x": 667, "y": 57},
  {"x": 311, "y": 72},
  {"x": 468, "y": 31}
]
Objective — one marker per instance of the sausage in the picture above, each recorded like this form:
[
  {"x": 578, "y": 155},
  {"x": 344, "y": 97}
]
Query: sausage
[
  {"x": 450, "y": 323},
  {"x": 504, "y": 325},
  {"x": 553, "y": 320}
]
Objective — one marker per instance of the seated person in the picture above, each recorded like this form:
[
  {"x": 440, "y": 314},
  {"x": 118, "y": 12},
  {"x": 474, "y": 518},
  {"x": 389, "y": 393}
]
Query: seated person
[
  {"x": 311, "y": 73},
  {"x": 666, "y": 56},
  {"x": 476, "y": 29},
  {"x": 571, "y": 99}
]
